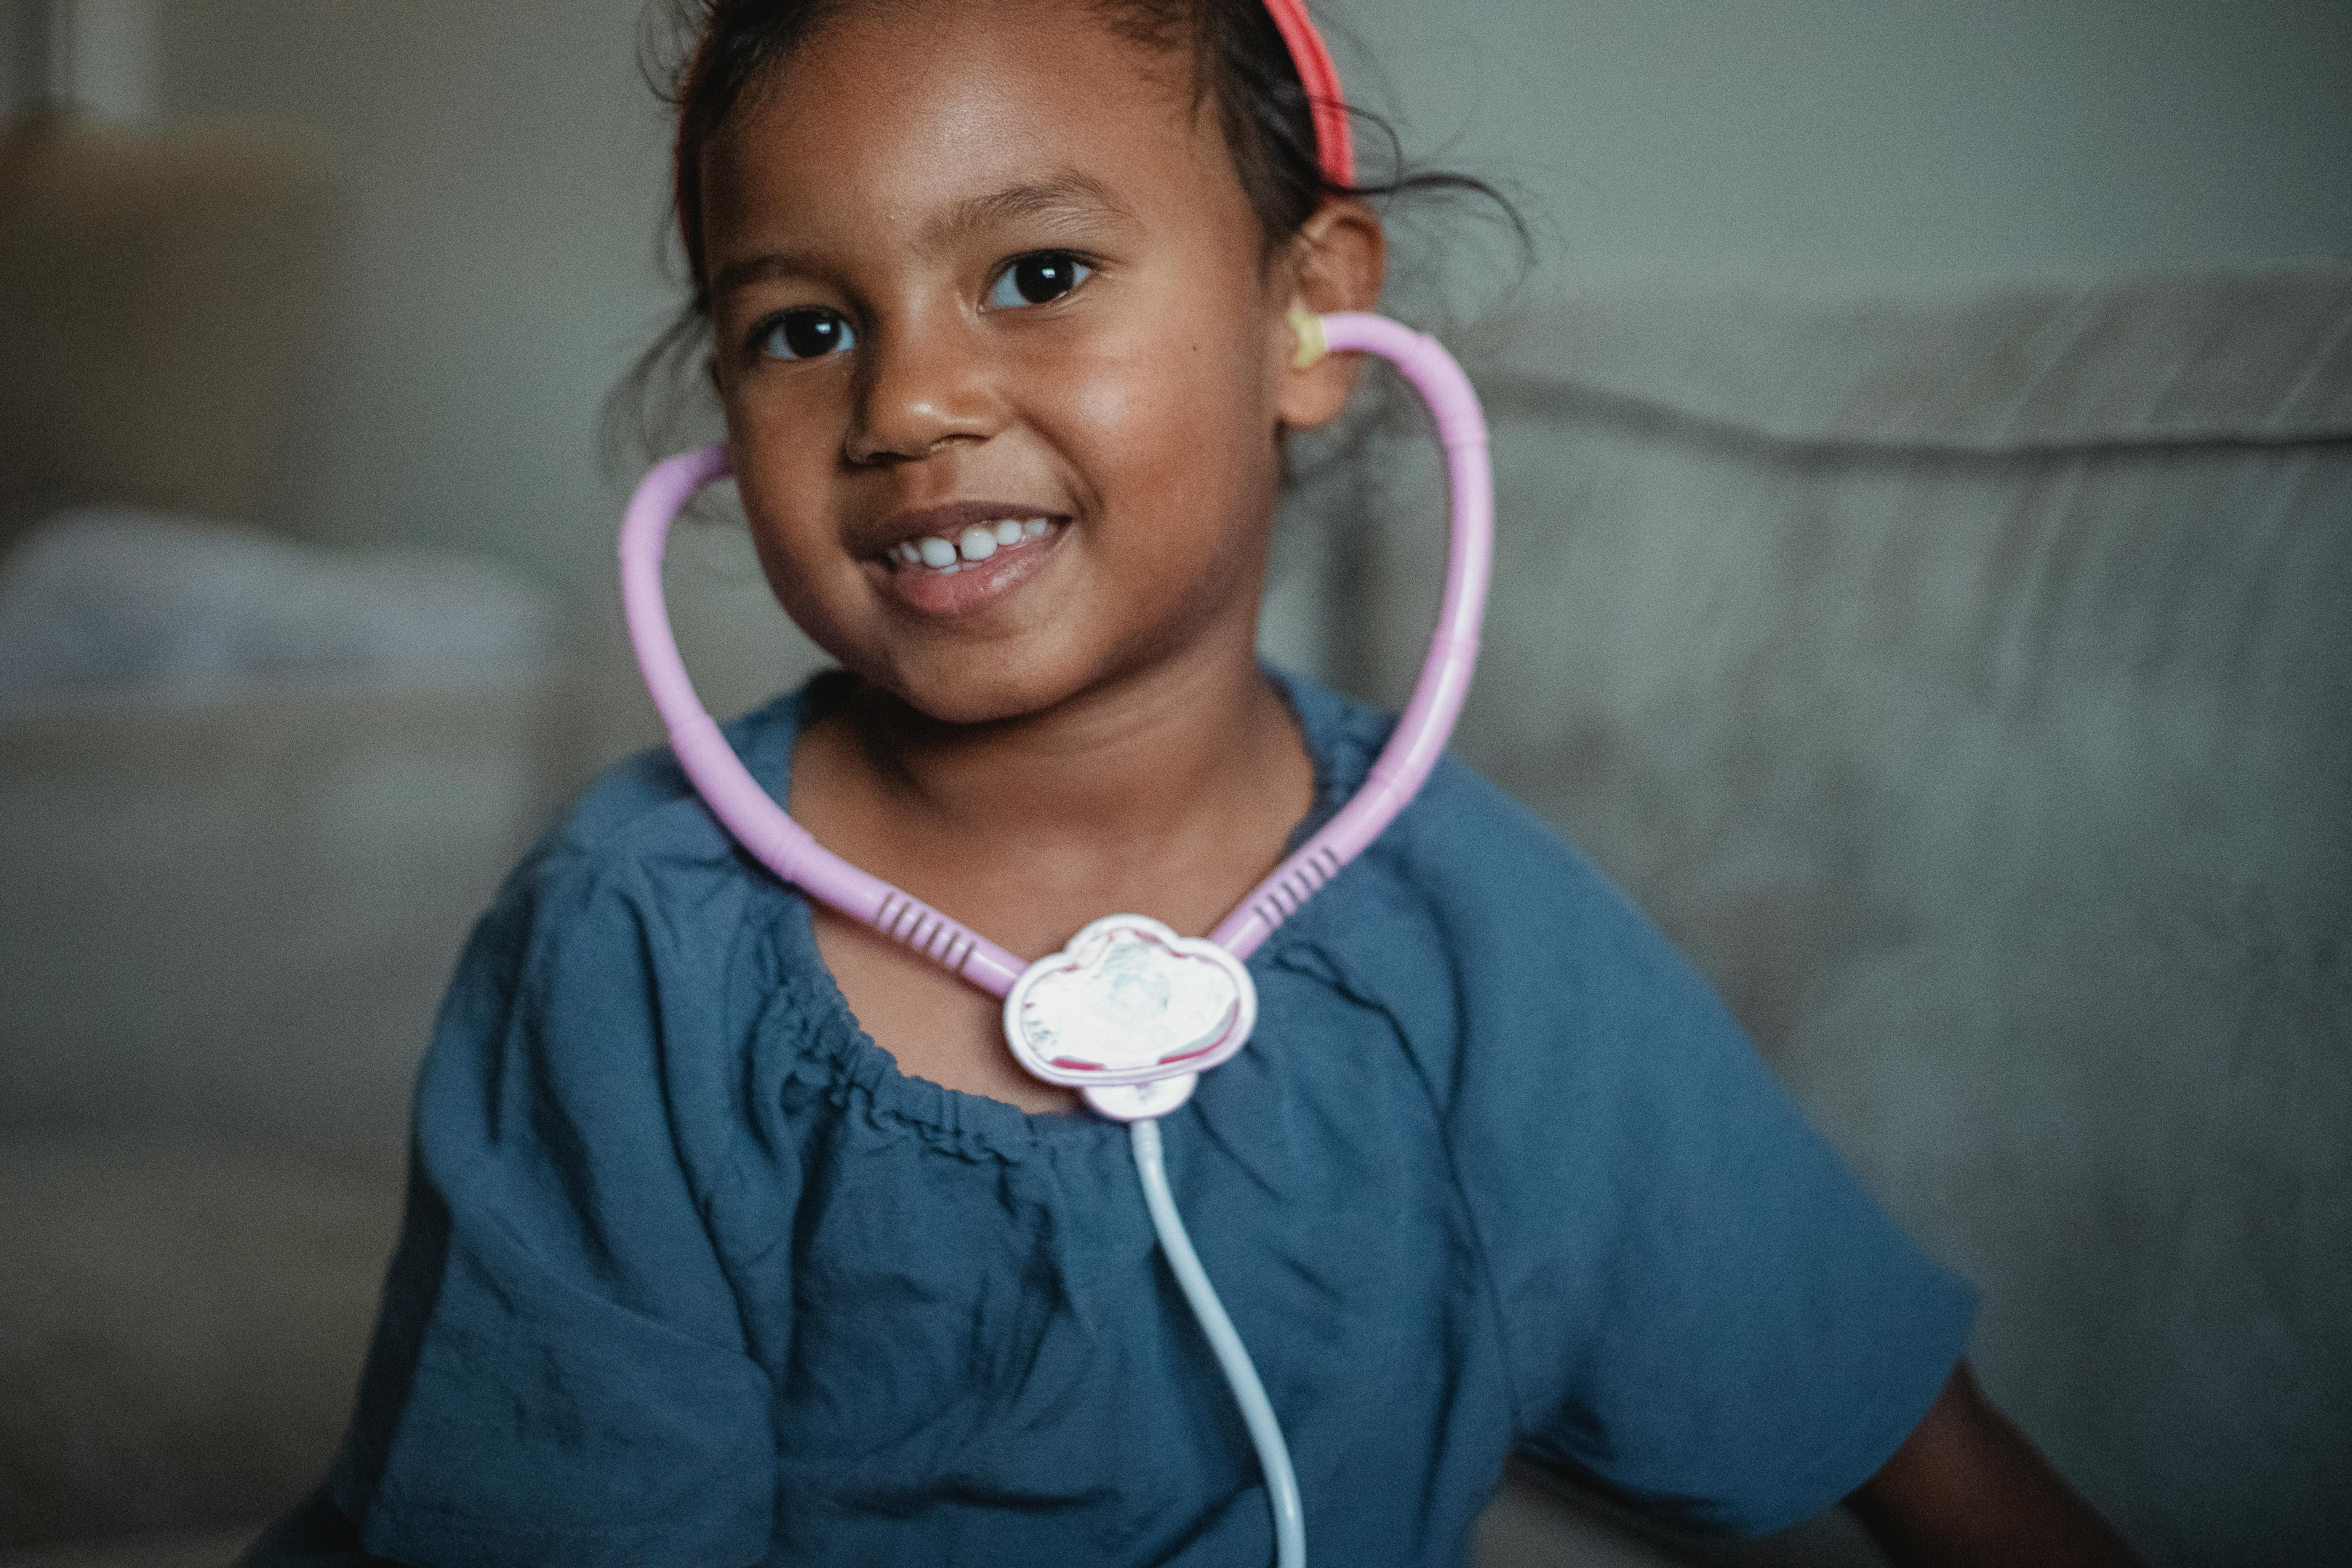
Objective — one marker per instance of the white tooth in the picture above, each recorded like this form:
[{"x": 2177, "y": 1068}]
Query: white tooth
[
  {"x": 1035, "y": 527},
  {"x": 977, "y": 544},
  {"x": 1008, "y": 532},
  {"x": 909, "y": 553},
  {"x": 936, "y": 552}
]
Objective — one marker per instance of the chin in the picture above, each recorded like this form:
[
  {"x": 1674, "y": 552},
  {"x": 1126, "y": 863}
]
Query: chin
[
  {"x": 968, "y": 696},
  {"x": 966, "y": 708}
]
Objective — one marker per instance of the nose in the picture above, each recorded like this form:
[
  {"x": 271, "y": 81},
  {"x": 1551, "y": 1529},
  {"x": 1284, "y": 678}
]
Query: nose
[{"x": 921, "y": 387}]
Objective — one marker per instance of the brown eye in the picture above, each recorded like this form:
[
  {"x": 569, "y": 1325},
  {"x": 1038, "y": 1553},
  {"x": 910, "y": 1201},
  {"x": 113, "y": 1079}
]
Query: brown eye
[
  {"x": 806, "y": 335},
  {"x": 1038, "y": 278}
]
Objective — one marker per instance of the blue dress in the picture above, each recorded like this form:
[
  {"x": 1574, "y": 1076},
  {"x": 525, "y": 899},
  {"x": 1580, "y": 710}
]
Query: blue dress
[{"x": 691, "y": 1273}]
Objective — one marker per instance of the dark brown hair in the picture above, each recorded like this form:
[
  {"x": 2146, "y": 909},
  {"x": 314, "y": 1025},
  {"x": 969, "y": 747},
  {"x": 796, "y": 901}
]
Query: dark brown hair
[{"x": 1239, "y": 63}]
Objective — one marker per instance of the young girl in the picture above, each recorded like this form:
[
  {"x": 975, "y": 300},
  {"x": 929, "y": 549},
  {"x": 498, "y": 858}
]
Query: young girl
[{"x": 735, "y": 1233}]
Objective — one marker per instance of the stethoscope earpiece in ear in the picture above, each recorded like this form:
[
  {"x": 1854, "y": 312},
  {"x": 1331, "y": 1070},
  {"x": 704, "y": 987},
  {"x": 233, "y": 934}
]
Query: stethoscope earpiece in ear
[{"x": 1313, "y": 342}]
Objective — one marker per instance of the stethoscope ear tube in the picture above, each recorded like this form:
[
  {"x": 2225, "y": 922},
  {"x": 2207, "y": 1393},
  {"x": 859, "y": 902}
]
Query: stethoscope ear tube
[
  {"x": 736, "y": 799},
  {"x": 1420, "y": 737},
  {"x": 762, "y": 826}
]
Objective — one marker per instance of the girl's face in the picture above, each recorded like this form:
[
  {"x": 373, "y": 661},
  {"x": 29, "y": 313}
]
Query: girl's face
[{"x": 986, "y": 292}]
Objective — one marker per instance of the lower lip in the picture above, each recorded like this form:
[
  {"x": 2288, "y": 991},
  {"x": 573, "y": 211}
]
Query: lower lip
[{"x": 977, "y": 585}]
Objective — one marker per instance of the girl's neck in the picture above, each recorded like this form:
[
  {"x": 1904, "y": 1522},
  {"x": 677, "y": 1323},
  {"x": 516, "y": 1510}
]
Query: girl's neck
[
  {"x": 1111, "y": 761},
  {"x": 1169, "y": 790}
]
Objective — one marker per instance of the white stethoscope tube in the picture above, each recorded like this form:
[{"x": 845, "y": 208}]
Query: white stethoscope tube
[{"x": 1257, "y": 1411}]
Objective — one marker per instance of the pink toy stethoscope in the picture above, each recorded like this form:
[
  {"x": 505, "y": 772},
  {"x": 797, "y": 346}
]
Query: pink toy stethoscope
[
  {"x": 1130, "y": 1013},
  {"x": 1147, "y": 1066}
]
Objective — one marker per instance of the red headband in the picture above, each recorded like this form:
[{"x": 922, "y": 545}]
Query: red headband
[{"x": 1334, "y": 142}]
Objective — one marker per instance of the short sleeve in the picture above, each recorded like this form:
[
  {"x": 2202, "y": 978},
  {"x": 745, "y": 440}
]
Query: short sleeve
[
  {"x": 560, "y": 1374},
  {"x": 1700, "y": 1306}
]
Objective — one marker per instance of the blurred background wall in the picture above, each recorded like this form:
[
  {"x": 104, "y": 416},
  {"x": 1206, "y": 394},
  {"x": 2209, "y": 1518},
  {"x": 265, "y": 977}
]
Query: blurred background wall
[
  {"x": 502, "y": 237},
  {"x": 1924, "y": 431},
  {"x": 1896, "y": 145}
]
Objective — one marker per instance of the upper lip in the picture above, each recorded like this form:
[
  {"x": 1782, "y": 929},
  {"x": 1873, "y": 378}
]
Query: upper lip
[{"x": 948, "y": 520}]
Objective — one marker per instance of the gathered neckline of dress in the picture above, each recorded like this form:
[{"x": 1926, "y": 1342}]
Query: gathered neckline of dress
[{"x": 859, "y": 1065}]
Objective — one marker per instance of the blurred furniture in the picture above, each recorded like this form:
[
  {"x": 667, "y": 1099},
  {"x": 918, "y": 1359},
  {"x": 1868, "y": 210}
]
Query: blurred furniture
[
  {"x": 241, "y": 839},
  {"x": 1966, "y": 685},
  {"x": 157, "y": 292}
]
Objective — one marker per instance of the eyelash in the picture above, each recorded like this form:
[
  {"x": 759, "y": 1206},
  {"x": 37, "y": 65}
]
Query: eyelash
[
  {"x": 780, "y": 329},
  {"x": 1048, "y": 261}
]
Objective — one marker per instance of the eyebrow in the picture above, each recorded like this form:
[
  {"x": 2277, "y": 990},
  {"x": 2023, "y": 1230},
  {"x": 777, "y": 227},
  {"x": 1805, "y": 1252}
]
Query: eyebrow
[
  {"x": 1067, "y": 195},
  {"x": 753, "y": 270}
]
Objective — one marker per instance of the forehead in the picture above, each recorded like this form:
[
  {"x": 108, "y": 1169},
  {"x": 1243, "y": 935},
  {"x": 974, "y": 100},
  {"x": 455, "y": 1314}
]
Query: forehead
[{"x": 893, "y": 108}]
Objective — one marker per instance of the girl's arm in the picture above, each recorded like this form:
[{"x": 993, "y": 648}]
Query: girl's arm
[{"x": 1965, "y": 1488}]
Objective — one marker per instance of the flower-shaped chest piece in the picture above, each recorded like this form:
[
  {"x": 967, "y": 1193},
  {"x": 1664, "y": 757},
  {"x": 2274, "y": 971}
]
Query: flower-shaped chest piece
[{"x": 1131, "y": 1012}]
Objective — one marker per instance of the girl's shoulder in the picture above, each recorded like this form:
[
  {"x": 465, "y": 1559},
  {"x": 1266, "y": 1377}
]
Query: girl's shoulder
[
  {"x": 623, "y": 970},
  {"x": 1471, "y": 915},
  {"x": 633, "y": 894},
  {"x": 645, "y": 804},
  {"x": 1465, "y": 865}
]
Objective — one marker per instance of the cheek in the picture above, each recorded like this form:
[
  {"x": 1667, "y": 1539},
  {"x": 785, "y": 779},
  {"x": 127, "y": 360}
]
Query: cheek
[
  {"x": 786, "y": 438},
  {"x": 1173, "y": 425},
  {"x": 783, "y": 472}
]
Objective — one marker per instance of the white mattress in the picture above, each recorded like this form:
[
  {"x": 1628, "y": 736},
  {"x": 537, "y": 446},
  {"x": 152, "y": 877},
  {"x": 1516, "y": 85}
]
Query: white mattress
[
  {"x": 252, "y": 793},
  {"x": 102, "y": 604}
]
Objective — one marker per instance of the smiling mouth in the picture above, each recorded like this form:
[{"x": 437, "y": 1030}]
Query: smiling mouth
[
  {"x": 963, "y": 558},
  {"x": 940, "y": 555}
]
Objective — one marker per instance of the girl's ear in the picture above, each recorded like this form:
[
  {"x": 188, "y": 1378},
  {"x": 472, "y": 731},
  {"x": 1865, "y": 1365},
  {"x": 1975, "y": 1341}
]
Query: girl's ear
[{"x": 1337, "y": 261}]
